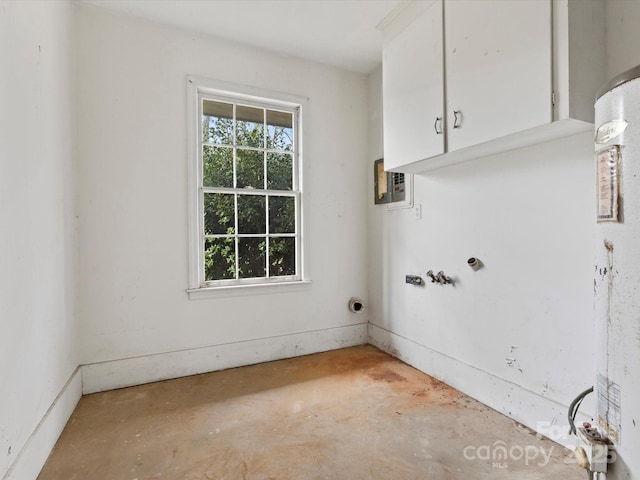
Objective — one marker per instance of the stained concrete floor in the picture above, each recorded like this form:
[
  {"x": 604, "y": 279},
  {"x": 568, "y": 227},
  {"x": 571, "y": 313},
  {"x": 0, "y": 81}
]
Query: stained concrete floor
[{"x": 355, "y": 413}]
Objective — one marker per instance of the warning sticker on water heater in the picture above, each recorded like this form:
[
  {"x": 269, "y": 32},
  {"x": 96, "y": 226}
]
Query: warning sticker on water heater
[{"x": 607, "y": 167}]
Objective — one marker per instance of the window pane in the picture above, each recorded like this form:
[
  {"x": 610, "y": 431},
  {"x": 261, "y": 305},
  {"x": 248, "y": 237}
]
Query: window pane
[
  {"x": 217, "y": 166},
  {"x": 279, "y": 130},
  {"x": 217, "y": 122},
  {"x": 279, "y": 171},
  {"x": 282, "y": 215},
  {"x": 282, "y": 256},
  {"x": 219, "y": 259},
  {"x": 250, "y": 126},
  {"x": 251, "y": 253},
  {"x": 219, "y": 215},
  {"x": 250, "y": 169},
  {"x": 252, "y": 216}
]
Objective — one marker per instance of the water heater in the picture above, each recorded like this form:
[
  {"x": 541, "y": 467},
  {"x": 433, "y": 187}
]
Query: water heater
[{"x": 617, "y": 271}]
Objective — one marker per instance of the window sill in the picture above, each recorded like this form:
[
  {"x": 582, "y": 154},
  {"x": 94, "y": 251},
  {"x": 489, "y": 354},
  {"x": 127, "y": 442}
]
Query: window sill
[{"x": 241, "y": 290}]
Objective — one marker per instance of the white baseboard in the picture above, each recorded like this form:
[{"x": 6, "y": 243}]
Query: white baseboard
[
  {"x": 542, "y": 414},
  {"x": 97, "y": 377},
  {"x": 36, "y": 450}
]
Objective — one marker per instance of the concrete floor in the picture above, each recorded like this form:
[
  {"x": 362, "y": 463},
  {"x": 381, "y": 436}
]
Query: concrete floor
[{"x": 355, "y": 413}]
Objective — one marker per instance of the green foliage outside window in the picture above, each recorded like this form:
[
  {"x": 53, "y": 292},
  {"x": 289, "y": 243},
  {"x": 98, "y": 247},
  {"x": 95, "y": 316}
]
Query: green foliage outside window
[{"x": 263, "y": 159}]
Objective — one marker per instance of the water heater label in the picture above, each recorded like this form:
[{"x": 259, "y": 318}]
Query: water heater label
[
  {"x": 608, "y": 407},
  {"x": 610, "y": 130},
  {"x": 608, "y": 171}
]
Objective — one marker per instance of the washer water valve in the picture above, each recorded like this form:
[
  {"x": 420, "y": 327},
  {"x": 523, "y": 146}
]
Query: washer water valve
[{"x": 439, "y": 278}]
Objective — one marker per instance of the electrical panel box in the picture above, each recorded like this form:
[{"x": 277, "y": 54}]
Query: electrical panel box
[{"x": 389, "y": 186}]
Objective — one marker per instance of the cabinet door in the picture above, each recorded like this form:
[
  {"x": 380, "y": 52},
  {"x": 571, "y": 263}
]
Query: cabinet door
[
  {"x": 412, "y": 88},
  {"x": 498, "y": 68}
]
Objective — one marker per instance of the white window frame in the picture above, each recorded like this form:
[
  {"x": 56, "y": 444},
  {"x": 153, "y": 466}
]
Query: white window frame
[{"x": 197, "y": 88}]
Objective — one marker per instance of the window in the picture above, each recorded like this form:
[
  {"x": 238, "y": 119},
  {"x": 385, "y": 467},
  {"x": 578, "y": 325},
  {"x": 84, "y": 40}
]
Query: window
[{"x": 245, "y": 189}]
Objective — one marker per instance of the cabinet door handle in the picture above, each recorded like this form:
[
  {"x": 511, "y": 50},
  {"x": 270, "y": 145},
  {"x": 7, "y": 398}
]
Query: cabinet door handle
[
  {"x": 437, "y": 126},
  {"x": 457, "y": 116}
]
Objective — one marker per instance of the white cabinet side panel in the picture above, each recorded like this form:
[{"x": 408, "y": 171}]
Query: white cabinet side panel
[{"x": 413, "y": 90}]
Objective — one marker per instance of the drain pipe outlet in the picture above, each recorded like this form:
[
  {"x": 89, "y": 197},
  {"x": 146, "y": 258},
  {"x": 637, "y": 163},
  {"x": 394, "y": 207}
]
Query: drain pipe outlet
[
  {"x": 355, "y": 305},
  {"x": 474, "y": 263}
]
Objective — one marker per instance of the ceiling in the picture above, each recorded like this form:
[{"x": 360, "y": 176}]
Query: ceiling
[{"x": 335, "y": 32}]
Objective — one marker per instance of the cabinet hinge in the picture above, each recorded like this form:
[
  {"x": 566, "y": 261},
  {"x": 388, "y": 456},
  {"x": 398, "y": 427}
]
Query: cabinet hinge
[{"x": 553, "y": 98}]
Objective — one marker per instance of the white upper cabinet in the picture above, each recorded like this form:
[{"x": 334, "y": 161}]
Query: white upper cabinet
[
  {"x": 501, "y": 74},
  {"x": 498, "y": 68},
  {"x": 413, "y": 86}
]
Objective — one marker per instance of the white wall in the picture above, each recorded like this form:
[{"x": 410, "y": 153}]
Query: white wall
[
  {"x": 132, "y": 144},
  {"x": 529, "y": 216},
  {"x": 379, "y": 251},
  {"x": 38, "y": 327}
]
